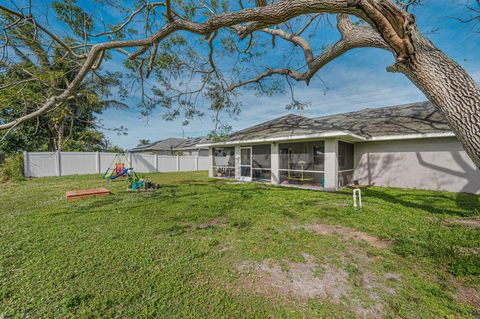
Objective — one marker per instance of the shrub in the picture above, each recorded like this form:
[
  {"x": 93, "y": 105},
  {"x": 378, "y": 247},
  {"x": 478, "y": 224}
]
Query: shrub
[{"x": 12, "y": 169}]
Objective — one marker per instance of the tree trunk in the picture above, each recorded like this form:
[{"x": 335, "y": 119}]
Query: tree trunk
[
  {"x": 450, "y": 89},
  {"x": 445, "y": 83},
  {"x": 60, "y": 128}
]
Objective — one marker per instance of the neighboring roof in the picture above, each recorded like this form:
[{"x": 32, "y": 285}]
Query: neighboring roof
[
  {"x": 415, "y": 119},
  {"x": 170, "y": 144},
  {"x": 191, "y": 143},
  {"x": 162, "y": 145}
]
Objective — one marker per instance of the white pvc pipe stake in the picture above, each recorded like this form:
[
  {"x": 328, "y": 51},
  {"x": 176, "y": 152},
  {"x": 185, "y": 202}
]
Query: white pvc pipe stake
[{"x": 355, "y": 191}]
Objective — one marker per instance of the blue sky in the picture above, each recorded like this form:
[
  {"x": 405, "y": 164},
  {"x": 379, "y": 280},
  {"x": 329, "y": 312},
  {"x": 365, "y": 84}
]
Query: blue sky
[{"x": 355, "y": 81}]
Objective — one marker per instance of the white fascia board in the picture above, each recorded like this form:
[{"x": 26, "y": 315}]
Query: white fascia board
[
  {"x": 409, "y": 136},
  {"x": 194, "y": 148},
  {"x": 331, "y": 134}
]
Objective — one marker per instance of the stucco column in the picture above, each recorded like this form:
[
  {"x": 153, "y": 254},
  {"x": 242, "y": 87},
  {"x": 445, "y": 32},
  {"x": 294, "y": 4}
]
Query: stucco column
[
  {"x": 331, "y": 164},
  {"x": 237, "y": 161},
  {"x": 275, "y": 163},
  {"x": 210, "y": 162}
]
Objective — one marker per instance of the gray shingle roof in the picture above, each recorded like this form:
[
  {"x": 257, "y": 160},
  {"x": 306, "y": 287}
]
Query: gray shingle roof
[
  {"x": 284, "y": 126},
  {"x": 414, "y": 118},
  {"x": 171, "y": 143},
  {"x": 162, "y": 145},
  {"x": 191, "y": 143}
]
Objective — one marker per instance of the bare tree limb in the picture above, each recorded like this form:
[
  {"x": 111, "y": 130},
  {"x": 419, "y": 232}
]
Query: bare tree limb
[
  {"x": 31, "y": 19},
  {"x": 352, "y": 37}
]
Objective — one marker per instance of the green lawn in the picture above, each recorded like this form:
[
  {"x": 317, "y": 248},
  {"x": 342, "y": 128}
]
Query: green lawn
[{"x": 200, "y": 248}]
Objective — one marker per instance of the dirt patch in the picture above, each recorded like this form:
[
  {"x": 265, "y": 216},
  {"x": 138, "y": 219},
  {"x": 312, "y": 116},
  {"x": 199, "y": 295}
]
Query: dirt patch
[
  {"x": 467, "y": 222},
  {"x": 212, "y": 223},
  {"x": 303, "y": 281},
  {"x": 469, "y": 295},
  {"x": 463, "y": 291},
  {"x": 468, "y": 250},
  {"x": 347, "y": 233},
  {"x": 298, "y": 280}
]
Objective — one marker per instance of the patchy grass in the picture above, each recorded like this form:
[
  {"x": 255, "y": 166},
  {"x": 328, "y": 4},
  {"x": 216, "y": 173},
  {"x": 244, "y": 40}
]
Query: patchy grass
[{"x": 207, "y": 248}]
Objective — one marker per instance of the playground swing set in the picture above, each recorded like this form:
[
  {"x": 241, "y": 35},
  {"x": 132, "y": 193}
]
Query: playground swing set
[
  {"x": 118, "y": 169},
  {"x": 121, "y": 167}
]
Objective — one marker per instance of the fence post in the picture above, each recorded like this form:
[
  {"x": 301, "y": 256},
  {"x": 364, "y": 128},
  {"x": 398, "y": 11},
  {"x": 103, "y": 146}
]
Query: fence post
[
  {"x": 26, "y": 164},
  {"x": 156, "y": 163},
  {"x": 210, "y": 162},
  {"x": 98, "y": 162},
  {"x": 196, "y": 163},
  {"x": 130, "y": 158},
  {"x": 178, "y": 163},
  {"x": 58, "y": 164}
]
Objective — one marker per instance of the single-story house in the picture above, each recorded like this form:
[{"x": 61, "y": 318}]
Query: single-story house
[
  {"x": 174, "y": 146},
  {"x": 190, "y": 146},
  {"x": 409, "y": 146}
]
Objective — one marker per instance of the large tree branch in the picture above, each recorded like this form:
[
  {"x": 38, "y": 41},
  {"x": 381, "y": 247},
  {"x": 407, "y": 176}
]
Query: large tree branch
[
  {"x": 295, "y": 39},
  {"x": 396, "y": 25},
  {"x": 259, "y": 17},
  {"x": 352, "y": 37}
]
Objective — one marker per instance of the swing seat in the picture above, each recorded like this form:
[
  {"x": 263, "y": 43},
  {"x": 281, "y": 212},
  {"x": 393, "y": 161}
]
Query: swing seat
[
  {"x": 116, "y": 174},
  {"x": 119, "y": 169}
]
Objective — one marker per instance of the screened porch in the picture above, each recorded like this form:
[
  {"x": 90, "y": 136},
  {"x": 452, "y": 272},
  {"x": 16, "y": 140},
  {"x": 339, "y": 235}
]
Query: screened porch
[
  {"x": 302, "y": 164},
  {"x": 224, "y": 162},
  {"x": 321, "y": 164}
]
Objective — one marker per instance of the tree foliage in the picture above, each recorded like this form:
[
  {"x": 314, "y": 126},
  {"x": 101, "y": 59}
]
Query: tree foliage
[
  {"x": 143, "y": 142},
  {"x": 180, "y": 54},
  {"x": 34, "y": 73}
]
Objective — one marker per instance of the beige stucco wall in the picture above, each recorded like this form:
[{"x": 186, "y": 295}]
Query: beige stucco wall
[{"x": 435, "y": 164}]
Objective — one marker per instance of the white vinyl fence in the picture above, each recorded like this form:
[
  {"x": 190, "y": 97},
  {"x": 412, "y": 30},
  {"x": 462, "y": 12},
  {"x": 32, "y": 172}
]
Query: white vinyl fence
[{"x": 43, "y": 164}]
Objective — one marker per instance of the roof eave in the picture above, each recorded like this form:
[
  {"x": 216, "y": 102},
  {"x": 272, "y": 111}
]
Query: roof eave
[
  {"x": 196, "y": 147},
  {"x": 330, "y": 134},
  {"x": 333, "y": 134},
  {"x": 410, "y": 136}
]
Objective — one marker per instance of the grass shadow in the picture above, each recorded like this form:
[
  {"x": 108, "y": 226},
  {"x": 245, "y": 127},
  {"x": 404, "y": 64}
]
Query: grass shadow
[{"x": 427, "y": 202}]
